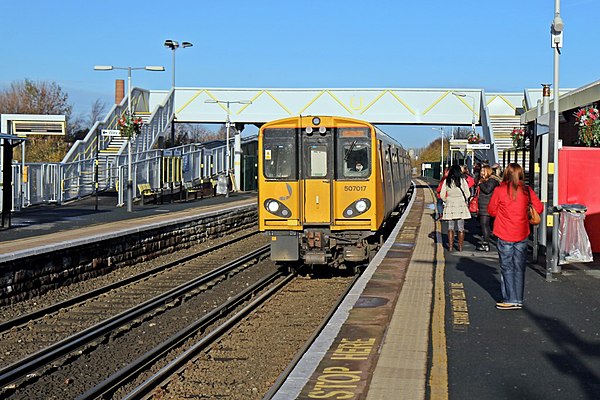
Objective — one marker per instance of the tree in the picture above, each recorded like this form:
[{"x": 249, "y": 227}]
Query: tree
[
  {"x": 187, "y": 133},
  {"x": 81, "y": 125},
  {"x": 43, "y": 149},
  {"x": 96, "y": 113},
  {"x": 30, "y": 97},
  {"x": 431, "y": 153},
  {"x": 45, "y": 98}
]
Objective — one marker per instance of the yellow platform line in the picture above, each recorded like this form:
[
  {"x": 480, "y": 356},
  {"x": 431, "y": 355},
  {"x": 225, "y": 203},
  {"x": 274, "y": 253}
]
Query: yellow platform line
[{"x": 438, "y": 376}]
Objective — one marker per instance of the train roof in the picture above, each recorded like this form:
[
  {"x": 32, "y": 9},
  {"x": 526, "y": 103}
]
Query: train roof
[{"x": 380, "y": 134}]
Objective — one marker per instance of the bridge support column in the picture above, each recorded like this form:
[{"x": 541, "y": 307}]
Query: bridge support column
[{"x": 237, "y": 159}]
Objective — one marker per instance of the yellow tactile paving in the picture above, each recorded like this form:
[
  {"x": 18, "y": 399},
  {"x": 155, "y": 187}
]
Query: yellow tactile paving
[{"x": 401, "y": 370}]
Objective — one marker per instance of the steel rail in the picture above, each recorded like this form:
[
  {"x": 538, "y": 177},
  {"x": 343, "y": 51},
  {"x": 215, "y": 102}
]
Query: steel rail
[
  {"x": 169, "y": 370},
  {"x": 27, "y": 365},
  {"x": 290, "y": 367},
  {"x": 22, "y": 319},
  {"x": 106, "y": 388}
]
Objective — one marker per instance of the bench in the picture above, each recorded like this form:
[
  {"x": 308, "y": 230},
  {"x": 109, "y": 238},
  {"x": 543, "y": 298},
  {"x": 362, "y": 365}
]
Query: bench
[
  {"x": 147, "y": 191},
  {"x": 190, "y": 188}
]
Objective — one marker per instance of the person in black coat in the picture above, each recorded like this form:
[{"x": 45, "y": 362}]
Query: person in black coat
[{"x": 487, "y": 184}]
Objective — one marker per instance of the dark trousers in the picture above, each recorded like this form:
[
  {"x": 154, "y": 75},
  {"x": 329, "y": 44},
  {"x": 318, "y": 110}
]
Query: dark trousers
[{"x": 486, "y": 229}]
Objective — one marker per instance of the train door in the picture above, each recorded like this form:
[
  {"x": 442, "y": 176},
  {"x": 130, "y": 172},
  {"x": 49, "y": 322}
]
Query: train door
[{"x": 317, "y": 167}]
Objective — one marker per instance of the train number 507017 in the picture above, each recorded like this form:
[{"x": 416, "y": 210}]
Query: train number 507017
[{"x": 355, "y": 188}]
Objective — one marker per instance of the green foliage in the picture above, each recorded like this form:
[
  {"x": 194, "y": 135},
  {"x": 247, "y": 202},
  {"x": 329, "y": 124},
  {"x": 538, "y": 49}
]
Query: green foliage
[
  {"x": 431, "y": 153},
  {"x": 42, "y": 149}
]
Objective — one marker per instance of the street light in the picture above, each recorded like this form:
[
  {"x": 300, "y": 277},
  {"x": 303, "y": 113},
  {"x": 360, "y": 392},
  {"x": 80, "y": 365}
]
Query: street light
[
  {"x": 442, "y": 162},
  {"x": 173, "y": 45},
  {"x": 473, "y": 120},
  {"x": 556, "y": 31},
  {"x": 130, "y": 113},
  {"x": 227, "y": 125}
]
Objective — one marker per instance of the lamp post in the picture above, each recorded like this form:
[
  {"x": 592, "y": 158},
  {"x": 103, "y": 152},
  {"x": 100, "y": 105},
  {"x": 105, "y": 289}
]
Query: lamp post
[
  {"x": 473, "y": 120},
  {"x": 442, "y": 158},
  {"x": 173, "y": 45},
  {"x": 556, "y": 31},
  {"x": 130, "y": 113},
  {"x": 227, "y": 125}
]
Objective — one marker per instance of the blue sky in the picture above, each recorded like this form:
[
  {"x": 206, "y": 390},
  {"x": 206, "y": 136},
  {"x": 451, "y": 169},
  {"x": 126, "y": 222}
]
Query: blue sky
[{"x": 496, "y": 45}]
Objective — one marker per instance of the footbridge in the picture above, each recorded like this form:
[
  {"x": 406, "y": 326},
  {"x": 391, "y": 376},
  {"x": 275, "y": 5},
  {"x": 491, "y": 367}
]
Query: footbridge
[{"x": 101, "y": 159}]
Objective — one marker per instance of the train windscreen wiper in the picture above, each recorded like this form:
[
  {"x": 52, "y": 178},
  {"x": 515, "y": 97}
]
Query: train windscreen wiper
[{"x": 350, "y": 150}]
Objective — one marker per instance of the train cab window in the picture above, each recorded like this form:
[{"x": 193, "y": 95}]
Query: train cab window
[
  {"x": 355, "y": 159},
  {"x": 354, "y": 153},
  {"x": 279, "y": 154}
]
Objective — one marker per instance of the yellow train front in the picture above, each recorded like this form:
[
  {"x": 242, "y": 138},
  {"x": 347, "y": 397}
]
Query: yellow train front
[{"x": 326, "y": 185}]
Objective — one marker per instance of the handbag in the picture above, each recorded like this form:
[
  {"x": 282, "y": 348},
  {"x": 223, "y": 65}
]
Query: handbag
[
  {"x": 474, "y": 202},
  {"x": 532, "y": 215}
]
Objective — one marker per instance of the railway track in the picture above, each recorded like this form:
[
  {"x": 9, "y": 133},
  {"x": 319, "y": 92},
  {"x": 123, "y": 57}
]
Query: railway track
[
  {"x": 52, "y": 357},
  {"x": 109, "y": 385},
  {"x": 41, "y": 312}
]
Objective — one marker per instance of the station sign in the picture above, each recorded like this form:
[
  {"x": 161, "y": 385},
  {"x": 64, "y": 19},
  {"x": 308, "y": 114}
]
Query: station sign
[
  {"x": 478, "y": 146},
  {"x": 111, "y": 132}
]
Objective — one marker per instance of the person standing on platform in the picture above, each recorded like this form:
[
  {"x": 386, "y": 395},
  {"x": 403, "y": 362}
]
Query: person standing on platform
[
  {"x": 497, "y": 170},
  {"x": 509, "y": 204},
  {"x": 486, "y": 186},
  {"x": 470, "y": 180},
  {"x": 440, "y": 202},
  {"x": 455, "y": 192}
]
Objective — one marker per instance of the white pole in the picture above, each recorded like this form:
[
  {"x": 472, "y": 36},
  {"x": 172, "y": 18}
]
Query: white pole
[
  {"x": 173, "y": 67},
  {"x": 556, "y": 111},
  {"x": 442, "y": 163},
  {"x": 129, "y": 178},
  {"x": 474, "y": 117},
  {"x": 237, "y": 158},
  {"x": 557, "y": 40},
  {"x": 227, "y": 152}
]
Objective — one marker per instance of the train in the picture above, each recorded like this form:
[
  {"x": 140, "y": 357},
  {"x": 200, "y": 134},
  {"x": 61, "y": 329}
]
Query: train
[{"x": 326, "y": 187}]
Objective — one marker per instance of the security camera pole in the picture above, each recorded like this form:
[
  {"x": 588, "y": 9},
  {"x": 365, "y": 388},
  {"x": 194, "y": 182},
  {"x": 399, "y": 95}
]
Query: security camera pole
[{"x": 556, "y": 31}]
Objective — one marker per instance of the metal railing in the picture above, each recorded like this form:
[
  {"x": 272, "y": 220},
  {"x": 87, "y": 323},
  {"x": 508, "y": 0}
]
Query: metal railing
[
  {"x": 75, "y": 177},
  {"x": 62, "y": 182}
]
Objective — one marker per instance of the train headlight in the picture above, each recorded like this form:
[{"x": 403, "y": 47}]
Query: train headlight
[
  {"x": 358, "y": 207},
  {"x": 361, "y": 206},
  {"x": 277, "y": 208},
  {"x": 273, "y": 206}
]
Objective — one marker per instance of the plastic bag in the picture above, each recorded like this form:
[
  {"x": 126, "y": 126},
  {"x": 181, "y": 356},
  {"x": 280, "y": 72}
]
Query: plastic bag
[
  {"x": 222, "y": 184},
  {"x": 573, "y": 242}
]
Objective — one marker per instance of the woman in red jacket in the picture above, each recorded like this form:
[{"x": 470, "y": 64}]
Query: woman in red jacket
[{"x": 509, "y": 205}]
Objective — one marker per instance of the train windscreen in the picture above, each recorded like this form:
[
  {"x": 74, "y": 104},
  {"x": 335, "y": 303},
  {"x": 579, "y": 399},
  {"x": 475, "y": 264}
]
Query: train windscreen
[
  {"x": 279, "y": 154},
  {"x": 354, "y": 153}
]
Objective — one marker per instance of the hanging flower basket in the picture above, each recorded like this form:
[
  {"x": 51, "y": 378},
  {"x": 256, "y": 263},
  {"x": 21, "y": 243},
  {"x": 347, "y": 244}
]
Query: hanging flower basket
[
  {"x": 130, "y": 126},
  {"x": 587, "y": 120},
  {"x": 518, "y": 138},
  {"x": 474, "y": 138}
]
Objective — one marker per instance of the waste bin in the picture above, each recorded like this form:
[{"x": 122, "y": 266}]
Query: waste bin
[{"x": 573, "y": 242}]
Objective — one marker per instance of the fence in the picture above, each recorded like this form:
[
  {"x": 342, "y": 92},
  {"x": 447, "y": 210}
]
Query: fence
[{"x": 45, "y": 183}]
